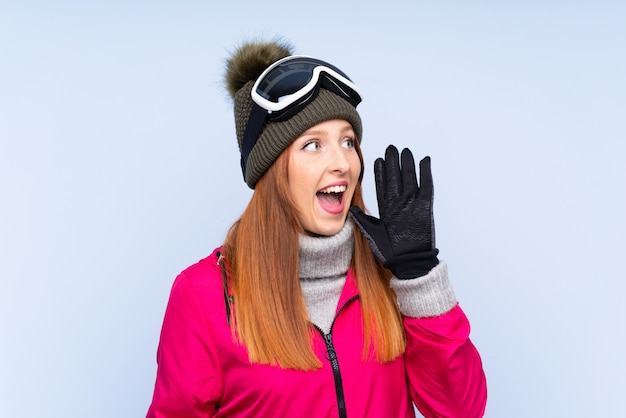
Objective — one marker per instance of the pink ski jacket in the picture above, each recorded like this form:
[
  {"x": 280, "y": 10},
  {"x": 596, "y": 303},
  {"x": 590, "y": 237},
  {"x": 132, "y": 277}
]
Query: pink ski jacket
[{"x": 203, "y": 373}]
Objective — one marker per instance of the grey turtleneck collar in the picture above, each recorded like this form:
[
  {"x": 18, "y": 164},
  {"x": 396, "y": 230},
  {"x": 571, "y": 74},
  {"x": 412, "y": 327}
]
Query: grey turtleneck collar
[
  {"x": 323, "y": 264},
  {"x": 326, "y": 256}
]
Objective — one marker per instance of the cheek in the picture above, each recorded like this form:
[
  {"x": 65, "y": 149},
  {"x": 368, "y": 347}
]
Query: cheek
[
  {"x": 355, "y": 168},
  {"x": 300, "y": 184},
  {"x": 355, "y": 174}
]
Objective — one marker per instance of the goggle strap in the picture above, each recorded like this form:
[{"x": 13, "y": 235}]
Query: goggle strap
[{"x": 251, "y": 134}]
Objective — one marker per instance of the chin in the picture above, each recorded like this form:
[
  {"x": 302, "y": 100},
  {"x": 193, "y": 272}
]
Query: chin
[{"x": 328, "y": 229}]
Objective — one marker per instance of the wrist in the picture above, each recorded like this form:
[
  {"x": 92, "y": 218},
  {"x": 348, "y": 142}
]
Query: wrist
[{"x": 412, "y": 265}]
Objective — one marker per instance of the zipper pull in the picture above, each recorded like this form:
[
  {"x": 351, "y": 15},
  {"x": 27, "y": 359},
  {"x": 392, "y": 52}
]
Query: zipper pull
[{"x": 331, "y": 354}]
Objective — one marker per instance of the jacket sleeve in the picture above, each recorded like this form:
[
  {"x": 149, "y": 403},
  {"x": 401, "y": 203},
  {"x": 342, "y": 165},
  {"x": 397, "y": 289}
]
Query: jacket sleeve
[
  {"x": 188, "y": 381},
  {"x": 444, "y": 369}
]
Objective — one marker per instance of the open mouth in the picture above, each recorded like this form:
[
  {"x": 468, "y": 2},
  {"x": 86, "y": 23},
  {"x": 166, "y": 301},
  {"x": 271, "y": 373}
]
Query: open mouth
[{"x": 331, "y": 198}]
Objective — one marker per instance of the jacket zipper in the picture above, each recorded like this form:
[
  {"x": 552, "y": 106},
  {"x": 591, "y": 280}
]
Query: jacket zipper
[{"x": 331, "y": 356}]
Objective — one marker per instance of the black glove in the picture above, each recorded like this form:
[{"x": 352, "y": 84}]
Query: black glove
[{"x": 404, "y": 236}]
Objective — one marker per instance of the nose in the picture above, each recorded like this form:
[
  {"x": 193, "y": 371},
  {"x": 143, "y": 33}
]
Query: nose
[{"x": 339, "y": 162}]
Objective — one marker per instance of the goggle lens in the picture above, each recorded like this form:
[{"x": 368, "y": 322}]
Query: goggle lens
[{"x": 289, "y": 77}]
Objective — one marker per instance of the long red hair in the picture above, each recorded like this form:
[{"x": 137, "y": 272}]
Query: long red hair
[{"x": 270, "y": 315}]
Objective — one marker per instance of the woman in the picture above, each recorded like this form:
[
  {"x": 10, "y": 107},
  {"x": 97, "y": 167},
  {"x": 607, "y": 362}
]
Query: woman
[{"x": 300, "y": 313}]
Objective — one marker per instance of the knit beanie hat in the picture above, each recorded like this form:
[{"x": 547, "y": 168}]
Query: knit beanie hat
[{"x": 243, "y": 68}]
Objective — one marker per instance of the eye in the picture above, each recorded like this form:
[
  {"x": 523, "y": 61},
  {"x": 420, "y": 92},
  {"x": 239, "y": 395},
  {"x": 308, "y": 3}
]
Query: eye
[
  {"x": 349, "y": 143},
  {"x": 311, "y": 146}
]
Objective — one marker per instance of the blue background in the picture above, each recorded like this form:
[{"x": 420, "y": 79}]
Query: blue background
[{"x": 119, "y": 167}]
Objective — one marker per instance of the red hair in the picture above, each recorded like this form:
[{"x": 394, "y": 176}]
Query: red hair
[{"x": 261, "y": 250}]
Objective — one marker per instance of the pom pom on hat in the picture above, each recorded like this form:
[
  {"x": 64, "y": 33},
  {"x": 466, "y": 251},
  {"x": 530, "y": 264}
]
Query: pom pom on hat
[{"x": 250, "y": 60}]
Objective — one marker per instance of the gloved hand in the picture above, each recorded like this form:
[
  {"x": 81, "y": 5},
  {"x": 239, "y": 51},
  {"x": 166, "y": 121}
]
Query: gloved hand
[{"x": 404, "y": 236}]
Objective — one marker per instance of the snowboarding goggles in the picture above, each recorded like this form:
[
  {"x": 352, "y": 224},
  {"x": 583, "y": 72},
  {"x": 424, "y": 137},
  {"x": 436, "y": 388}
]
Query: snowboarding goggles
[{"x": 288, "y": 86}]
